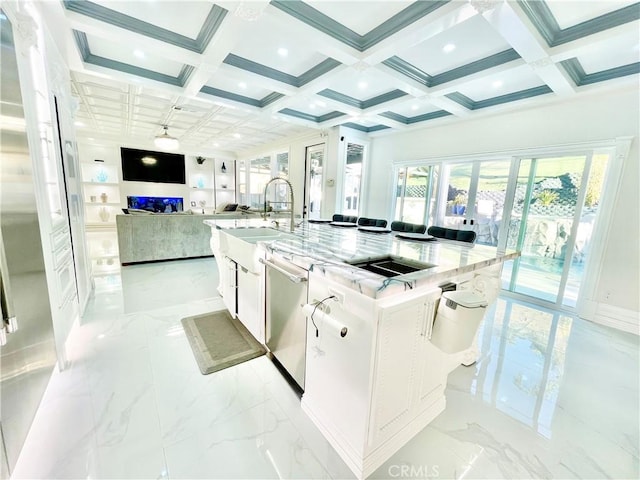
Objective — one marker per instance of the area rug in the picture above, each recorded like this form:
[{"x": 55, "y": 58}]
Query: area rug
[{"x": 219, "y": 341}]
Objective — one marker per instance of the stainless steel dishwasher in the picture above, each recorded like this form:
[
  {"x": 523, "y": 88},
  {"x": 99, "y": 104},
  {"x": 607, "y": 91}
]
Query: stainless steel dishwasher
[{"x": 286, "y": 325}]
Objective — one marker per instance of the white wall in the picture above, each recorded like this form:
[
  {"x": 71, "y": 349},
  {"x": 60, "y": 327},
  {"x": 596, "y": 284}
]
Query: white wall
[{"x": 589, "y": 118}]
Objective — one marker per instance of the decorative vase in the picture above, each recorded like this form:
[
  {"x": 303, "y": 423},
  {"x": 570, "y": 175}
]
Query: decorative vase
[
  {"x": 102, "y": 176},
  {"x": 223, "y": 169},
  {"x": 200, "y": 182},
  {"x": 104, "y": 197},
  {"x": 104, "y": 214}
]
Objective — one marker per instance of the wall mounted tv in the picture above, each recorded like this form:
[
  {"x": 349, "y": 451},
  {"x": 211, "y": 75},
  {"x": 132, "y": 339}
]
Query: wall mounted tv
[
  {"x": 156, "y": 204},
  {"x": 147, "y": 166}
]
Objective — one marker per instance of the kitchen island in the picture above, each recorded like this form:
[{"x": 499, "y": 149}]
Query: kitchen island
[{"x": 373, "y": 378}]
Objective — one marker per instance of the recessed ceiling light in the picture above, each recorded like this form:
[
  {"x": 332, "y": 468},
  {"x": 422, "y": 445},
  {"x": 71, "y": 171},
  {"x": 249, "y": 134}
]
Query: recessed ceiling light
[
  {"x": 138, "y": 53},
  {"x": 321, "y": 104},
  {"x": 242, "y": 85},
  {"x": 237, "y": 135},
  {"x": 362, "y": 85},
  {"x": 497, "y": 84},
  {"x": 283, "y": 52},
  {"x": 414, "y": 107},
  {"x": 312, "y": 106},
  {"x": 216, "y": 144},
  {"x": 448, "y": 48}
]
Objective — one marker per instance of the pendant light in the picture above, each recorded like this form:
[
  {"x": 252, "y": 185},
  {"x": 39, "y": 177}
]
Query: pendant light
[{"x": 166, "y": 141}]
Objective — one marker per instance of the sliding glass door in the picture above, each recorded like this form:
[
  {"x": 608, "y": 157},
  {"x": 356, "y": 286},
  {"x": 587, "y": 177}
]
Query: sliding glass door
[
  {"x": 551, "y": 221},
  {"x": 416, "y": 194},
  {"x": 544, "y": 207}
]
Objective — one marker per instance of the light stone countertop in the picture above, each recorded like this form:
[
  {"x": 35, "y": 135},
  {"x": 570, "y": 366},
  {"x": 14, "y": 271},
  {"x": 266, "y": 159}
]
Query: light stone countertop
[{"x": 323, "y": 249}]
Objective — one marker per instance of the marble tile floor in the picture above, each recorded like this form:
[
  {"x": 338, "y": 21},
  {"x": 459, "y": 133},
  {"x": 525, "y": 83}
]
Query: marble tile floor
[{"x": 551, "y": 397}]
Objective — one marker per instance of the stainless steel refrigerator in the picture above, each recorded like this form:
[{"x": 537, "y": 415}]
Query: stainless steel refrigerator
[{"x": 28, "y": 356}]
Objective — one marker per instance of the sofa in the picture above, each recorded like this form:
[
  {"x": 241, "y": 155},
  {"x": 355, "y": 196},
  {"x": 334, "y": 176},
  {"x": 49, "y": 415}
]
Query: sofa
[{"x": 155, "y": 237}]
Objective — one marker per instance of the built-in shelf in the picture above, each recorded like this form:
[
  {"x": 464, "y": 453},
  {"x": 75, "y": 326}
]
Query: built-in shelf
[
  {"x": 100, "y": 204},
  {"x": 100, "y": 225},
  {"x": 106, "y": 184},
  {"x": 98, "y": 231}
]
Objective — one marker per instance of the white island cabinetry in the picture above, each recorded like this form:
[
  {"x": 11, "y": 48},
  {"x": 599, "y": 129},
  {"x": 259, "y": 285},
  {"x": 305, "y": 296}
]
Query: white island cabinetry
[
  {"x": 373, "y": 378},
  {"x": 374, "y": 389}
]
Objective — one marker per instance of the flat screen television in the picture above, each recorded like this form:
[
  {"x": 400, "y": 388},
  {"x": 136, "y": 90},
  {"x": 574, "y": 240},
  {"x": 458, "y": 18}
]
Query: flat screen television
[
  {"x": 156, "y": 204},
  {"x": 147, "y": 166}
]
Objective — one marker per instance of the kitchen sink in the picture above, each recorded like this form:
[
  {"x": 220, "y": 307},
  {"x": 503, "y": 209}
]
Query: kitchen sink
[
  {"x": 391, "y": 265},
  {"x": 257, "y": 234},
  {"x": 239, "y": 244}
]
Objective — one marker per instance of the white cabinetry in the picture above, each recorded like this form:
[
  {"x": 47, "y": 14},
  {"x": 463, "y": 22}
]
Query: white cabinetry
[
  {"x": 101, "y": 192},
  {"x": 408, "y": 371},
  {"x": 389, "y": 377},
  {"x": 250, "y": 304},
  {"x": 229, "y": 283}
]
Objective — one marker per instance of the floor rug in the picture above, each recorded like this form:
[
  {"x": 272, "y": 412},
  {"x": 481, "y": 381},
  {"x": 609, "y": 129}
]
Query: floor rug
[{"x": 219, "y": 341}]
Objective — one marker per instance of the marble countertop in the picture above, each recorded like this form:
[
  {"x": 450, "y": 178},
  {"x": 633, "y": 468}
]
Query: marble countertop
[{"x": 324, "y": 249}]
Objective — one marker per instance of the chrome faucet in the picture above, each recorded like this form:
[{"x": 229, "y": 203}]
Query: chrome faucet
[{"x": 275, "y": 179}]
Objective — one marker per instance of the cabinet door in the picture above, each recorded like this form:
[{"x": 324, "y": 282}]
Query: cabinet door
[
  {"x": 431, "y": 376},
  {"x": 229, "y": 284},
  {"x": 396, "y": 370},
  {"x": 249, "y": 302}
]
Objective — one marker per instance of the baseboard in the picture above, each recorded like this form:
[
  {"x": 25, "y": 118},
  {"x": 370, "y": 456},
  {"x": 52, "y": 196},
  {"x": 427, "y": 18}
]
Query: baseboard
[
  {"x": 363, "y": 467},
  {"x": 615, "y": 317}
]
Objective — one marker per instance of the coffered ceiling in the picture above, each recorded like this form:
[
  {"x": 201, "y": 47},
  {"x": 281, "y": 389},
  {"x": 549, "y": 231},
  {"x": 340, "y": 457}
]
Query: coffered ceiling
[{"x": 235, "y": 75}]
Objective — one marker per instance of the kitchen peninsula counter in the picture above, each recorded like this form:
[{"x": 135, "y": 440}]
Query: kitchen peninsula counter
[
  {"x": 372, "y": 373},
  {"x": 325, "y": 249}
]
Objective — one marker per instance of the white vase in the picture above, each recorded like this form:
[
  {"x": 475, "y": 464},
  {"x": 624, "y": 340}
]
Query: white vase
[
  {"x": 104, "y": 214},
  {"x": 104, "y": 198}
]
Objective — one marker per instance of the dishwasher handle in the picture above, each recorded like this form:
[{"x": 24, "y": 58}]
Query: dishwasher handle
[{"x": 293, "y": 278}]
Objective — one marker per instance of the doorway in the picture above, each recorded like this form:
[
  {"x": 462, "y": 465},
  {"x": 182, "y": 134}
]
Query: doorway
[
  {"x": 314, "y": 175},
  {"x": 551, "y": 222}
]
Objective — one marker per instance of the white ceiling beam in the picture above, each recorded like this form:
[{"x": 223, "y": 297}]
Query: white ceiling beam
[
  {"x": 150, "y": 46},
  {"x": 421, "y": 30},
  {"x": 235, "y": 28},
  {"x": 514, "y": 26},
  {"x": 594, "y": 42}
]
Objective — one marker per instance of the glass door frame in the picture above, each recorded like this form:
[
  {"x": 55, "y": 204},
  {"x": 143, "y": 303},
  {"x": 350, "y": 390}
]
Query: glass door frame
[{"x": 309, "y": 149}]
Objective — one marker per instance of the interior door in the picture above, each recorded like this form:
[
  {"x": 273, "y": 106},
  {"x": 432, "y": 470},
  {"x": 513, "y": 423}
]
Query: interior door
[{"x": 314, "y": 178}]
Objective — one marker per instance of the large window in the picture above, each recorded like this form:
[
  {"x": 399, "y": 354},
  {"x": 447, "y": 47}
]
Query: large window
[
  {"x": 543, "y": 206},
  {"x": 254, "y": 174}
]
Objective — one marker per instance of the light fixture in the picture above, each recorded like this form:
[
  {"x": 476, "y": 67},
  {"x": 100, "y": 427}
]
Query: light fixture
[
  {"x": 448, "y": 48},
  {"x": 497, "y": 84},
  {"x": 166, "y": 141},
  {"x": 362, "y": 85},
  {"x": 138, "y": 53},
  {"x": 242, "y": 85},
  {"x": 283, "y": 52}
]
